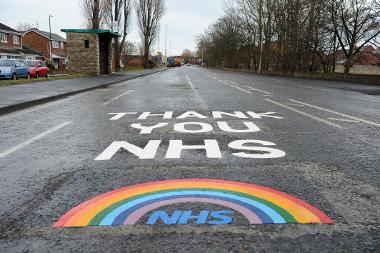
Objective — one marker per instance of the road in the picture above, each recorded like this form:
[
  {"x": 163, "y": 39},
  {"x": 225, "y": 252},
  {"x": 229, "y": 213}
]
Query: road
[{"x": 316, "y": 141}]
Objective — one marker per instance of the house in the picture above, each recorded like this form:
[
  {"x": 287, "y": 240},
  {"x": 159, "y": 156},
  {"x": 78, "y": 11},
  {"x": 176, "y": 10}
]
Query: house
[
  {"x": 12, "y": 46},
  {"x": 56, "y": 50}
]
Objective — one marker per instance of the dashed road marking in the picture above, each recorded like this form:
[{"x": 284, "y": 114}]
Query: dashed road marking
[
  {"x": 203, "y": 104},
  {"x": 344, "y": 120},
  {"x": 246, "y": 91},
  {"x": 337, "y": 113},
  {"x": 304, "y": 113},
  {"x": 263, "y": 91},
  {"x": 40, "y": 136},
  {"x": 313, "y": 88},
  {"x": 231, "y": 82},
  {"x": 117, "y": 97}
]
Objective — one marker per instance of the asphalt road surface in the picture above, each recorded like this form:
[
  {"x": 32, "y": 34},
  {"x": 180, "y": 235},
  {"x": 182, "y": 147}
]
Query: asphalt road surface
[{"x": 315, "y": 141}]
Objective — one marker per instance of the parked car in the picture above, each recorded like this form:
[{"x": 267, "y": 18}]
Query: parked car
[
  {"x": 13, "y": 69},
  {"x": 37, "y": 69}
]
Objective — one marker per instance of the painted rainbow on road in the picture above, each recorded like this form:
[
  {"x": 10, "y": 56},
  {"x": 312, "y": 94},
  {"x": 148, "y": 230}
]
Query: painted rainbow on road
[{"x": 125, "y": 206}]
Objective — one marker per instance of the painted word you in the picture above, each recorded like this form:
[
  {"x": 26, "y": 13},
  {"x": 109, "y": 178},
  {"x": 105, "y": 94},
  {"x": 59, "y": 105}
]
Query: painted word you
[{"x": 246, "y": 148}]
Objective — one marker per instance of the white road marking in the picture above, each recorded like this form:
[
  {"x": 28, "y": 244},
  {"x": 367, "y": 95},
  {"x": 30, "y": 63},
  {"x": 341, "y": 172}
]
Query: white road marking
[
  {"x": 304, "y": 113},
  {"x": 213, "y": 77},
  {"x": 313, "y": 88},
  {"x": 337, "y": 113},
  {"x": 246, "y": 91},
  {"x": 203, "y": 104},
  {"x": 251, "y": 88},
  {"x": 40, "y": 136},
  {"x": 222, "y": 81},
  {"x": 231, "y": 82},
  {"x": 115, "y": 98},
  {"x": 344, "y": 120}
]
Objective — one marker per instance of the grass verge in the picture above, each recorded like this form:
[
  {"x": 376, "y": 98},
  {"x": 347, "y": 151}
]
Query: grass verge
[{"x": 41, "y": 79}]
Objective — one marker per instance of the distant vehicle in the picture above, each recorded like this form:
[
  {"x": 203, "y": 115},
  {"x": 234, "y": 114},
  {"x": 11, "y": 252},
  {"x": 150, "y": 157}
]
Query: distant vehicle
[
  {"x": 171, "y": 63},
  {"x": 13, "y": 69},
  {"x": 37, "y": 69},
  {"x": 178, "y": 62},
  {"x": 188, "y": 64}
]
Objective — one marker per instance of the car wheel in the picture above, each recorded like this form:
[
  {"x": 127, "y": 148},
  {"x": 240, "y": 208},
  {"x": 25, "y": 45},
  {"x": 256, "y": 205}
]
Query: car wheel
[
  {"x": 37, "y": 75},
  {"x": 14, "y": 76},
  {"x": 28, "y": 76}
]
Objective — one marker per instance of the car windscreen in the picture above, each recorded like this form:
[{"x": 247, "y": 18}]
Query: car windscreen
[
  {"x": 31, "y": 64},
  {"x": 6, "y": 63}
]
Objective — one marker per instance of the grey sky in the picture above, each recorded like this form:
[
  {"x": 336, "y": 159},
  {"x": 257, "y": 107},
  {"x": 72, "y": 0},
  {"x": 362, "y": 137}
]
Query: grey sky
[{"x": 185, "y": 19}]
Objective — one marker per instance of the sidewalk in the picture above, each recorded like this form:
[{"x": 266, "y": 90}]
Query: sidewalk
[{"x": 17, "y": 97}]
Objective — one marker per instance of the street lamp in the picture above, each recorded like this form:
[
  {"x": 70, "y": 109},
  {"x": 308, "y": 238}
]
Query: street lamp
[{"x": 51, "y": 45}]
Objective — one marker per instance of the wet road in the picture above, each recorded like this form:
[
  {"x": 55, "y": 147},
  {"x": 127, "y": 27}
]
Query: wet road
[{"x": 314, "y": 140}]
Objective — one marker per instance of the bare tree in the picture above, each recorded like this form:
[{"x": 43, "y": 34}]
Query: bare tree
[
  {"x": 24, "y": 26},
  {"x": 356, "y": 23},
  {"x": 91, "y": 10},
  {"x": 149, "y": 14},
  {"x": 118, "y": 11}
]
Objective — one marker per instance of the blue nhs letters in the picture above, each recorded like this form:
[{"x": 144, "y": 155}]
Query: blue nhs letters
[{"x": 183, "y": 217}]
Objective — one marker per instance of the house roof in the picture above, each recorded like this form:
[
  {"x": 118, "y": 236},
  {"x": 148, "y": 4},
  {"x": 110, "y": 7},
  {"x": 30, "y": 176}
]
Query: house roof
[
  {"x": 23, "y": 51},
  {"x": 8, "y": 29},
  {"x": 92, "y": 31},
  {"x": 54, "y": 36}
]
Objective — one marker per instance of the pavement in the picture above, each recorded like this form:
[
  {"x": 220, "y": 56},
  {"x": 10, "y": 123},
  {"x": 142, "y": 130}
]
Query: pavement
[
  {"x": 285, "y": 139},
  {"x": 16, "y": 97}
]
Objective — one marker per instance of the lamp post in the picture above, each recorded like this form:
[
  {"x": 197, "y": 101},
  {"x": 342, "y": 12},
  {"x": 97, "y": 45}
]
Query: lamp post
[{"x": 51, "y": 43}]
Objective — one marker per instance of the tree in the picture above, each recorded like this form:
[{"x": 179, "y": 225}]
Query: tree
[
  {"x": 91, "y": 10},
  {"x": 149, "y": 14},
  {"x": 24, "y": 26},
  {"x": 356, "y": 23},
  {"x": 186, "y": 55}
]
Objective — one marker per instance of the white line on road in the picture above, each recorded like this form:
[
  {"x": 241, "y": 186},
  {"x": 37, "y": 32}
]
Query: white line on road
[
  {"x": 213, "y": 77},
  {"x": 304, "y": 113},
  {"x": 313, "y": 88},
  {"x": 246, "y": 91},
  {"x": 337, "y": 113},
  {"x": 231, "y": 82},
  {"x": 203, "y": 104},
  {"x": 251, "y": 88},
  {"x": 344, "y": 120},
  {"x": 115, "y": 98},
  {"x": 222, "y": 81},
  {"x": 22, "y": 145}
]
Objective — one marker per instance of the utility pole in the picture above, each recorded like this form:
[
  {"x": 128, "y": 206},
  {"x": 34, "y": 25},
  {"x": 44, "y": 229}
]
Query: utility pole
[
  {"x": 51, "y": 42},
  {"x": 261, "y": 37},
  {"x": 202, "y": 58},
  {"x": 170, "y": 48},
  {"x": 166, "y": 41}
]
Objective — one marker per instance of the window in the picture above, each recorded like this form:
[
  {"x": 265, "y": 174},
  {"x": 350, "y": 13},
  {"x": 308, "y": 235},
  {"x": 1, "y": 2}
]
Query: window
[
  {"x": 4, "y": 37},
  {"x": 16, "y": 39},
  {"x": 87, "y": 44},
  {"x": 55, "y": 44}
]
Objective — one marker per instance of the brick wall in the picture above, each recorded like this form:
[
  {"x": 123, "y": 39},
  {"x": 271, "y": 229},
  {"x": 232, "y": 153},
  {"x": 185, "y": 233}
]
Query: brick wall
[
  {"x": 38, "y": 43},
  {"x": 10, "y": 44},
  {"x": 81, "y": 59}
]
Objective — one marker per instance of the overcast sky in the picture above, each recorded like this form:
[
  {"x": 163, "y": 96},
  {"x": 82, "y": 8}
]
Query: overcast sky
[{"x": 185, "y": 18}]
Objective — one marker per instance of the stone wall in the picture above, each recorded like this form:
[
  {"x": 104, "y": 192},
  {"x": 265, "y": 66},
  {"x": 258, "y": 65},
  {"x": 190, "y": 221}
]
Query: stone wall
[
  {"x": 81, "y": 59},
  {"x": 360, "y": 69}
]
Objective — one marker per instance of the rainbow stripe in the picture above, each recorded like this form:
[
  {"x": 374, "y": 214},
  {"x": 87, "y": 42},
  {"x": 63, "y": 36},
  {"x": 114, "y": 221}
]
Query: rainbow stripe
[{"x": 125, "y": 206}]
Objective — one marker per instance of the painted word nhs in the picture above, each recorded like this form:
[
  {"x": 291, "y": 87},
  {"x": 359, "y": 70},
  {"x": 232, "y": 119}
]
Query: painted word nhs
[{"x": 184, "y": 217}]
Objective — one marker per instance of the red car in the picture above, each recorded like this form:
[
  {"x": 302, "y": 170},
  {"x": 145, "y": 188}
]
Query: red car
[{"x": 37, "y": 69}]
